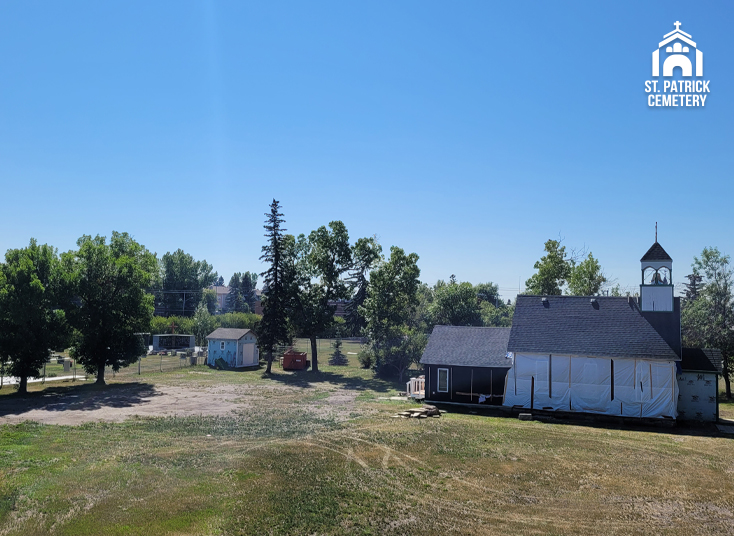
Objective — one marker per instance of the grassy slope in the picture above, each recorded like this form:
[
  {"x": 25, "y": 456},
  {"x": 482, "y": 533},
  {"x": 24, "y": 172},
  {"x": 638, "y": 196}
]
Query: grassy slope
[{"x": 285, "y": 467}]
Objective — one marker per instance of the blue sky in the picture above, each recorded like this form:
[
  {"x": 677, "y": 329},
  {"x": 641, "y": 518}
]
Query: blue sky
[{"x": 467, "y": 132}]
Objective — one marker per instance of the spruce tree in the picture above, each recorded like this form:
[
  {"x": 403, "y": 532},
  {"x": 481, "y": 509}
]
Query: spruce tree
[
  {"x": 338, "y": 358},
  {"x": 273, "y": 329}
]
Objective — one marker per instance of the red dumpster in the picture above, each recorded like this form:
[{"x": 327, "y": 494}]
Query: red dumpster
[{"x": 293, "y": 360}]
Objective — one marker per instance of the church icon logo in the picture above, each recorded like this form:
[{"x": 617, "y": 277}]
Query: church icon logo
[{"x": 678, "y": 45}]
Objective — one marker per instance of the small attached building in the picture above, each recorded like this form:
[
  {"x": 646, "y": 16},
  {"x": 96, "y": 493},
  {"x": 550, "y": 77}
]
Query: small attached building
[
  {"x": 698, "y": 385},
  {"x": 466, "y": 364},
  {"x": 238, "y": 347}
]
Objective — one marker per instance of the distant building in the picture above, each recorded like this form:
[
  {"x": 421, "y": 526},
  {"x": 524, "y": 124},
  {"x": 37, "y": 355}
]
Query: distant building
[{"x": 222, "y": 292}]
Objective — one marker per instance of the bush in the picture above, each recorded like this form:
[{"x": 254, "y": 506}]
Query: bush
[
  {"x": 366, "y": 358},
  {"x": 238, "y": 320}
]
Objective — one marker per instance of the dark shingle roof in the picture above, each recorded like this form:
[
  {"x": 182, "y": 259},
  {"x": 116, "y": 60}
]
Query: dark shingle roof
[
  {"x": 234, "y": 334},
  {"x": 655, "y": 253},
  {"x": 667, "y": 325},
  {"x": 609, "y": 327},
  {"x": 463, "y": 346},
  {"x": 702, "y": 359}
]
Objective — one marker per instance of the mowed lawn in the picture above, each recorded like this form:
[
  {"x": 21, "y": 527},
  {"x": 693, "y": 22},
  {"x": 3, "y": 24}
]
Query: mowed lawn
[{"x": 322, "y": 454}]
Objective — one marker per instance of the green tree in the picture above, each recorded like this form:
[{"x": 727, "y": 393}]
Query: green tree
[
  {"x": 708, "y": 320},
  {"x": 182, "y": 280},
  {"x": 455, "y": 304},
  {"x": 586, "y": 278},
  {"x": 241, "y": 297},
  {"x": 248, "y": 284},
  {"x": 553, "y": 270},
  {"x": 235, "y": 301},
  {"x": 488, "y": 292},
  {"x": 111, "y": 305},
  {"x": 237, "y": 320},
  {"x": 388, "y": 309},
  {"x": 422, "y": 320},
  {"x": 32, "y": 321},
  {"x": 209, "y": 299},
  {"x": 203, "y": 324},
  {"x": 322, "y": 259},
  {"x": 499, "y": 317},
  {"x": 273, "y": 329},
  {"x": 338, "y": 358},
  {"x": 366, "y": 253}
]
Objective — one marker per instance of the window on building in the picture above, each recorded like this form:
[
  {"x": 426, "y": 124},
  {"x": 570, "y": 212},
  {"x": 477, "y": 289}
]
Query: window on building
[
  {"x": 443, "y": 380},
  {"x": 221, "y": 345}
]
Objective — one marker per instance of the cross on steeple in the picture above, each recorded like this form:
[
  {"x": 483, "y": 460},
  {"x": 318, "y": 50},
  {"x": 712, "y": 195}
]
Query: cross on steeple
[{"x": 677, "y": 25}]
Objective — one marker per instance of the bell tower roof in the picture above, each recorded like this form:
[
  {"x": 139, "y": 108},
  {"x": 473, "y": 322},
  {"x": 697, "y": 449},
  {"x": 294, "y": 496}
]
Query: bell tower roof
[{"x": 656, "y": 253}]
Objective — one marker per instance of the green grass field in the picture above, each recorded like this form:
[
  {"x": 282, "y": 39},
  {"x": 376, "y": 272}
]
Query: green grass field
[{"x": 321, "y": 454}]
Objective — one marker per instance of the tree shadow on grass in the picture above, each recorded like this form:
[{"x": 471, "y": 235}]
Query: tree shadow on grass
[
  {"x": 86, "y": 397},
  {"x": 309, "y": 379}
]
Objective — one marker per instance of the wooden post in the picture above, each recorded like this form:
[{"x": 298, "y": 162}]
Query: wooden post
[{"x": 532, "y": 391}]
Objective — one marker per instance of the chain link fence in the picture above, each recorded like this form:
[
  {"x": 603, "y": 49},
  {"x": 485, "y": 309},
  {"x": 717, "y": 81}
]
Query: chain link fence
[{"x": 62, "y": 368}]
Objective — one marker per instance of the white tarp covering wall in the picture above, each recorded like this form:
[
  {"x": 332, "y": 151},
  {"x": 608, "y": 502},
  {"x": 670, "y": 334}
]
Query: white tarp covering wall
[{"x": 640, "y": 388}]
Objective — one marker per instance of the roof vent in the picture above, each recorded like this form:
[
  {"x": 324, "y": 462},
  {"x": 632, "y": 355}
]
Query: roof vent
[
  {"x": 544, "y": 300},
  {"x": 593, "y": 300}
]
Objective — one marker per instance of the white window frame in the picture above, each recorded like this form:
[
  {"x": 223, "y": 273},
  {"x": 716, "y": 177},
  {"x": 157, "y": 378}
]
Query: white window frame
[
  {"x": 438, "y": 381},
  {"x": 221, "y": 346}
]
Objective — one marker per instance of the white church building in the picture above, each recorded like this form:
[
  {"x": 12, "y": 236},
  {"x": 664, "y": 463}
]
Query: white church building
[{"x": 610, "y": 355}]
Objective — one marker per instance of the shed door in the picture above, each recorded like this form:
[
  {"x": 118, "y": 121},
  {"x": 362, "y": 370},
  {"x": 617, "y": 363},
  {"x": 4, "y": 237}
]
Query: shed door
[{"x": 248, "y": 354}]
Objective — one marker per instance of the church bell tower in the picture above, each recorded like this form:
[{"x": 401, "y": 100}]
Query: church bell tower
[{"x": 656, "y": 290}]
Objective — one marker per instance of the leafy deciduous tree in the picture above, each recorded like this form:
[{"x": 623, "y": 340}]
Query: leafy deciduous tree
[
  {"x": 182, "y": 279},
  {"x": 111, "y": 305},
  {"x": 388, "y": 308},
  {"x": 586, "y": 278},
  {"x": 553, "y": 270},
  {"x": 708, "y": 320},
  {"x": 455, "y": 304},
  {"x": 366, "y": 252},
  {"x": 322, "y": 260},
  {"x": 32, "y": 321}
]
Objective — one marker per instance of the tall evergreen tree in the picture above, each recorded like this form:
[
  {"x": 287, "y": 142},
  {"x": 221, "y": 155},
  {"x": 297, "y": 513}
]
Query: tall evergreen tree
[
  {"x": 31, "y": 318},
  {"x": 694, "y": 285},
  {"x": 273, "y": 329},
  {"x": 234, "y": 296},
  {"x": 248, "y": 284}
]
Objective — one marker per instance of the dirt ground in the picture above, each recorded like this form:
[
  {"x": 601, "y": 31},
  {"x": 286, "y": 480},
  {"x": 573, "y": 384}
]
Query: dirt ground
[
  {"x": 117, "y": 402},
  {"x": 120, "y": 402}
]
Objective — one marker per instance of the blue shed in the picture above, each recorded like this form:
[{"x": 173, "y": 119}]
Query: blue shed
[{"x": 238, "y": 347}]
